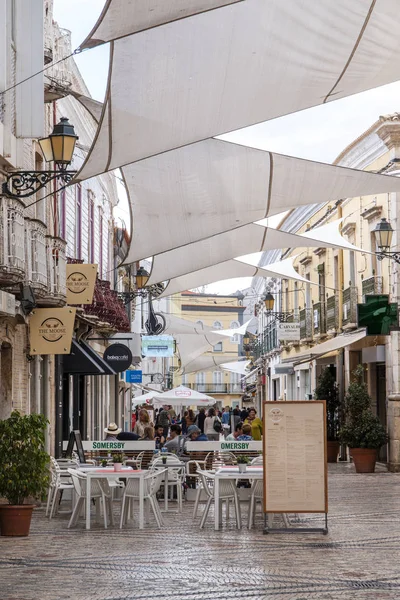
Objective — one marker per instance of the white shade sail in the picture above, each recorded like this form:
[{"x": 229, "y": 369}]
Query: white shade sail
[
  {"x": 239, "y": 366},
  {"x": 184, "y": 396},
  {"x": 246, "y": 63},
  {"x": 238, "y": 242},
  {"x": 124, "y": 17},
  {"x": 205, "y": 362},
  {"x": 230, "y": 269},
  {"x": 208, "y": 188},
  {"x": 236, "y": 331}
]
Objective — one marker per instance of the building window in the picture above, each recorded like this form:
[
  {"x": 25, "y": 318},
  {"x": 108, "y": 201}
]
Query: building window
[
  {"x": 91, "y": 227},
  {"x": 201, "y": 382},
  {"x": 218, "y": 347},
  {"x": 217, "y": 381},
  {"x": 78, "y": 222},
  {"x": 217, "y": 325},
  {"x": 235, "y": 339}
]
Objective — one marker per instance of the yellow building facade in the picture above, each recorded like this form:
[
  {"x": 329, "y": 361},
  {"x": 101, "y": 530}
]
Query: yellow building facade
[
  {"x": 217, "y": 312},
  {"x": 326, "y": 307}
]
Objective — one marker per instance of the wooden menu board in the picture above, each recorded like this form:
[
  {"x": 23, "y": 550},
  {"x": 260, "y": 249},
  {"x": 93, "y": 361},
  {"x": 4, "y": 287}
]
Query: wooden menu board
[{"x": 295, "y": 464}]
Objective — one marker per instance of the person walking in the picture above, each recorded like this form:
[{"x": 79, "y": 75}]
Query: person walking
[
  {"x": 225, "y": 420},
  {"x": 201, "y": 417},
  {"x": 256, "y": 424},
  {"x": 212, "y": 426},
  {"x": 164, "y": 420}
]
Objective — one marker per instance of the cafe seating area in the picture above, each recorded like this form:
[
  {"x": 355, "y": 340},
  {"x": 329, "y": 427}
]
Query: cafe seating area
[{"x": 133, "y": 496}]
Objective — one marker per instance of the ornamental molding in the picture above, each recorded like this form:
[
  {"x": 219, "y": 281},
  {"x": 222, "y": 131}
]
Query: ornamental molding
[
  {"x": 349, "y": 228},
  {"x": 371, "y": 214}
]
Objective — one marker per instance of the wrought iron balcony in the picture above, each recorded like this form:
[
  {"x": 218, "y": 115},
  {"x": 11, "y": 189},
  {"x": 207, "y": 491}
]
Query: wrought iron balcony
[
  {"x": 319, "y": 315},
  {"x": 12, "y": 241},
  {"x": 306, "y": 324},
  {"x": 56, "y": 272},
  {"x": 216, "y": 388},
  {"x": 350, "y": 296},
  {"x": 332, "y": 313},
  {"x": 36, "y": 256},
  {"x": 373, "y": 285}
]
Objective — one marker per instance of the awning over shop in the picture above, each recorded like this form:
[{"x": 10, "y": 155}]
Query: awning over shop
[
  {"x": 336, "y": 343},
  {"x": 83, "y": 360}
]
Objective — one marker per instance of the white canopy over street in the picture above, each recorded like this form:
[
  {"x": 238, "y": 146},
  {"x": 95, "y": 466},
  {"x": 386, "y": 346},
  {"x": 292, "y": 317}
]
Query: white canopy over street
[
  {"x": 184, "y": 396},
  {"x": 237, "y": 331},
  {"x": 238, "y": 242},
  {"x": 124, "y": 17},
  {"x": 205, "y": 362},
  {"x": 239, "y": 366},
  {"x": 235, "y": 66}
]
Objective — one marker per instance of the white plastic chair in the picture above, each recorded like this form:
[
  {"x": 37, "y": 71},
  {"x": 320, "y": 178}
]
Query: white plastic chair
[
  {"x": 257, "y": 495},
  {"x": 152, "y": 483},
  {"x": 258, "y": 460},
  {"x": 99, "y": 491},
  {"x": 176, "y": 473},
  {"x": 58, "y": 483},
  {"x": 227, "y": 492}
]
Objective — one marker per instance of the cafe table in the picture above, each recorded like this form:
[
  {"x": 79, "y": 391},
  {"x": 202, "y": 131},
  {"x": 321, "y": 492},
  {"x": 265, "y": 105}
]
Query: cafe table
[
  {"x": 109, "y": 474},
  {"x": 232, "y": 472}
]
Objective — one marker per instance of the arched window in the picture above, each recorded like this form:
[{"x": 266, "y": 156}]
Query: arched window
[
  {"x": 235, "y": 339},
  {"x": 217, "y": 325}
]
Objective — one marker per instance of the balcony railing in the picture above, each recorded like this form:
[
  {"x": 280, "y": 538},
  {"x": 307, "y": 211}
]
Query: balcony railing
[
  {"x": 319, "y": 314},
  {"x": 56, "y": 272},
  {"x": 373, "y": 285},
  {"x": 350, "y": 305},
  {"x": 36, "y": 256},
  {"x": 12, "y": 241},
  {"x": 332, "y": 313},
  {"x": 306, "y": 324},
  {"x": 216, "y": 388}
]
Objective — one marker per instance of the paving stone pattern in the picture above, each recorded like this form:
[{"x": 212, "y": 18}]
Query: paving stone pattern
[{"x": 358, "y": 560}]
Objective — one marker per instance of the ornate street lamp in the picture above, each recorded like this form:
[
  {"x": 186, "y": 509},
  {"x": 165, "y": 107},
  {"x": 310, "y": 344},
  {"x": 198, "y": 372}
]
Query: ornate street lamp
[
  {"x": 269, "y": 302},
  {"x": 58, "y": 148},
  {"x": 142, "y": 277},
  {"x": 383, "y": 236}
]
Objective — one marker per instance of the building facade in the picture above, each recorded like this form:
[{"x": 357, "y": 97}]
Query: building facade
[
  {"x": 217, "y": 312},
  {"x": 326, "y": 308}
]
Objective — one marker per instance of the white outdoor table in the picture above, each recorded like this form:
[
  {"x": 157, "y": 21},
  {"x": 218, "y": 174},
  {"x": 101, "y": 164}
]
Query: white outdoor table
[
  {"x": 228, "y": 472},
  {"x": 109, "y": 473}
]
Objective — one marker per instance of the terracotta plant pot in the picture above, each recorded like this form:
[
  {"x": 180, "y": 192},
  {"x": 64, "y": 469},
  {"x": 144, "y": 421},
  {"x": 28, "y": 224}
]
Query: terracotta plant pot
[
  {"x": 117, "y": 466},
  {"x": 333, "y": 451},
  {"x": 15, "y": 520},
  {"x": 364, "y": 459}
]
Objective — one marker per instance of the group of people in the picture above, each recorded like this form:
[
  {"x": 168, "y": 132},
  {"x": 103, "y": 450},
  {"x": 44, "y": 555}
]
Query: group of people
[{"x": 236, "y": 424}]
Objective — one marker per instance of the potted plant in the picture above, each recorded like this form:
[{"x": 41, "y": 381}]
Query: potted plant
[
  {"x": 118, "y": 459},
  {"x": 242, "y": 462},
  {"x": 327, "y": 390},
  {"x": 362, "y": 431},
  {"x": 103, "y": 462},
  {"x": 24, "y": 472}
]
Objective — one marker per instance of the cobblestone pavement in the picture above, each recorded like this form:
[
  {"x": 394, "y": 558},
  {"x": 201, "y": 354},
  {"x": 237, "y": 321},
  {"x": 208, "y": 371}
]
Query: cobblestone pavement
[{"x": 359, "y": 559}]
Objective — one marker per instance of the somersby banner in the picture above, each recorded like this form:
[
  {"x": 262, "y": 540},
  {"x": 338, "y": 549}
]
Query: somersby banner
[
  {"x": 80, "y": 283},
  {"x": 50, "y": 330}
]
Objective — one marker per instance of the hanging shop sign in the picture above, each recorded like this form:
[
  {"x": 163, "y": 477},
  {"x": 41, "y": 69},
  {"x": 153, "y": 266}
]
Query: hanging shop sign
[
  {"x": 81, "y": 280},
  {"x": 378, "y": 315},
  {"x": 158, "y": 346},
  {"x": 118, "y": 357},
  {"x": 51, "y": 329},
  {"x": 289, "y": 332},
  {"x": 134, "y": 376}
]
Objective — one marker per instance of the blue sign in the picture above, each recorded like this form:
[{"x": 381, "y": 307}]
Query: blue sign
[{"x": 133, "y": 376}]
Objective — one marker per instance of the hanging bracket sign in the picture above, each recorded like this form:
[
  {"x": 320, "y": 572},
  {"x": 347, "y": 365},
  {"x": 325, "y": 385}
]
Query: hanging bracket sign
[
  {"x": 81, "y": 280},
  {"x": 288, "y": 332},
  {"x": 118, "y": 357},
  {"x": 50, "y": 330}
]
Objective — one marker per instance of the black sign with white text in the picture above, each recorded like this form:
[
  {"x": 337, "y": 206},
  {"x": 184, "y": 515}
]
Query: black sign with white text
[{"x": 118, "y": 357}]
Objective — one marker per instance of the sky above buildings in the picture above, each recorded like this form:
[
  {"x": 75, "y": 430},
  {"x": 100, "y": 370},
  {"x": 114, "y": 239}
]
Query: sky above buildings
[{"x": 319, "y": 133}]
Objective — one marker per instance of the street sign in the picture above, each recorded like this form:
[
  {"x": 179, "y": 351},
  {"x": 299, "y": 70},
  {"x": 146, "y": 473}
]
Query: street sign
[
  {"x": 134, "y": 376},
  {"x": 118, "y": 357},
  {"x": 288, "y": 332}
]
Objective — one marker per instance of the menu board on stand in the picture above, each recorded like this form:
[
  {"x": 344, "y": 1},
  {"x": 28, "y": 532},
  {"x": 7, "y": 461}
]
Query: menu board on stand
[{"x": 295, "y": 462}]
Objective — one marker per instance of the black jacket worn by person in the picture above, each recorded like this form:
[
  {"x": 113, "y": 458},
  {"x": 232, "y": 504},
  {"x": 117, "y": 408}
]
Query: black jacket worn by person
[{"x": 127, "y": 435}]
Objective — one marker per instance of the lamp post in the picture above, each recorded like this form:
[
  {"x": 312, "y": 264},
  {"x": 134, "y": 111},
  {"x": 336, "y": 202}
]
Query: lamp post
[
  {"x": 269, "y": 302},
  {"x": 58, "y": 148},
  {"x": 155, "y": 322},
  {"x": 383, "y": 233}
]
